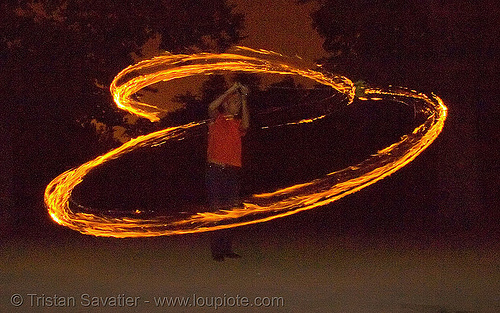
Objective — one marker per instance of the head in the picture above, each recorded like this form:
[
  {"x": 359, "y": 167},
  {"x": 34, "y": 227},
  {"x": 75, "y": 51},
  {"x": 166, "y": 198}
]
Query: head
[{"x": 232, "y": 105}]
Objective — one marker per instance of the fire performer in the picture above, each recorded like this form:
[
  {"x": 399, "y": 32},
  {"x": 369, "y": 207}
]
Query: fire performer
[{"x": 230, "y": 123}]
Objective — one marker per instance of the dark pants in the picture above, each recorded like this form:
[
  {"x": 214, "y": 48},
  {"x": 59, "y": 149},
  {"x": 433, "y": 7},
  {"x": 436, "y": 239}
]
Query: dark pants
[
  {"x": 223, "y": 192},
  {"x": 223, "y": 186}
]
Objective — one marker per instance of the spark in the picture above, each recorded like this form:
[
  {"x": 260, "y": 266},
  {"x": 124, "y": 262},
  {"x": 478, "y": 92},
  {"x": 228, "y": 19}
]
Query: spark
[{"x": 259, "y": 207}]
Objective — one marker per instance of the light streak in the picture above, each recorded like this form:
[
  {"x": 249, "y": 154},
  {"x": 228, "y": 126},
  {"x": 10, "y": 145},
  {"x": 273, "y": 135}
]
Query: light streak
[{"x": 259, "y": 207}]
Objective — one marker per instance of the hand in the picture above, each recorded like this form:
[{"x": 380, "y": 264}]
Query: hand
[
  {"x": 244, "y": 89},
  {"x": 235, "y": 86}
]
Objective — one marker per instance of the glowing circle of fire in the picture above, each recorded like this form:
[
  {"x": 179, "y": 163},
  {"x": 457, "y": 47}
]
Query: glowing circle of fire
[{"x": 259, "y": 207}]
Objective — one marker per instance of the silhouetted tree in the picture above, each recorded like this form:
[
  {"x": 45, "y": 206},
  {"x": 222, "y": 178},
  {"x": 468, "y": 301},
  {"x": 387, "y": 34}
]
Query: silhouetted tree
[
  {"x": 68, "y": 49},
  {"x": 58, "y": 58},
  {"x": 362, "y": 31},
  {"x": 384, "y": 38}
]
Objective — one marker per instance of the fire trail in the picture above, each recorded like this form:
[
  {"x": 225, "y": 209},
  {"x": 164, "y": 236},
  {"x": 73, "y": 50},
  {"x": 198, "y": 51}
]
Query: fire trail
[{"x": 258, "y": 207}]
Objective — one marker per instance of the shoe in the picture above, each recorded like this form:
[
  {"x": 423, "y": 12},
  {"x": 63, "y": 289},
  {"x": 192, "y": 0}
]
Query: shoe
[
  {"x": 218, "y": 257},
  {"x": 232, "y": 255}
]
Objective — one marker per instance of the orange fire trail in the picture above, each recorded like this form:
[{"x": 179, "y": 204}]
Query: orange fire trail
[{"x": 259, "y": 207}]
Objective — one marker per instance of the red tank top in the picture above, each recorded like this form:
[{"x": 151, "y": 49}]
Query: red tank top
[{"x": 224, "y": 141}]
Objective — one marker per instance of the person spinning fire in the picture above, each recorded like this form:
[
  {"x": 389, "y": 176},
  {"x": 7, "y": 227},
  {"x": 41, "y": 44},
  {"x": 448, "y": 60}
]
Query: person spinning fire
[{"x": 224, "y": 159}]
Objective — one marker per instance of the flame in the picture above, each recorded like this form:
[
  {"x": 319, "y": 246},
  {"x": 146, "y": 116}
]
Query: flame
[{"x": 259, "y": 207}]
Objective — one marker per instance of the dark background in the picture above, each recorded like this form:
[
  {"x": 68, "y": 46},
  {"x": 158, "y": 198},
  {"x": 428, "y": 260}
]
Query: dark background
[{"x": 427, "y": 236}]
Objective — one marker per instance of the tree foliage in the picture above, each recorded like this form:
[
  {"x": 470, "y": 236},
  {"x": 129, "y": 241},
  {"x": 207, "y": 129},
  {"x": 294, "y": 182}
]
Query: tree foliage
[
  {"x": 68, "y": 48},
  {"x": 393, "y": 35},
  {"x": 58, "y": 58}
]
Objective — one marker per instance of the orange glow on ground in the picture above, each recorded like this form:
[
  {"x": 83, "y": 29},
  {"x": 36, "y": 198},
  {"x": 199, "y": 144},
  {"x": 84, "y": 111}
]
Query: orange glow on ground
[{"x": 259, "y": 207}]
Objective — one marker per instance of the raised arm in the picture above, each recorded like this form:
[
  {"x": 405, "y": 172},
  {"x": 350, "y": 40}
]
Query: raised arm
[
  {"x": 245, "y": 116},
  {"x": 214, "y": 106}
]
